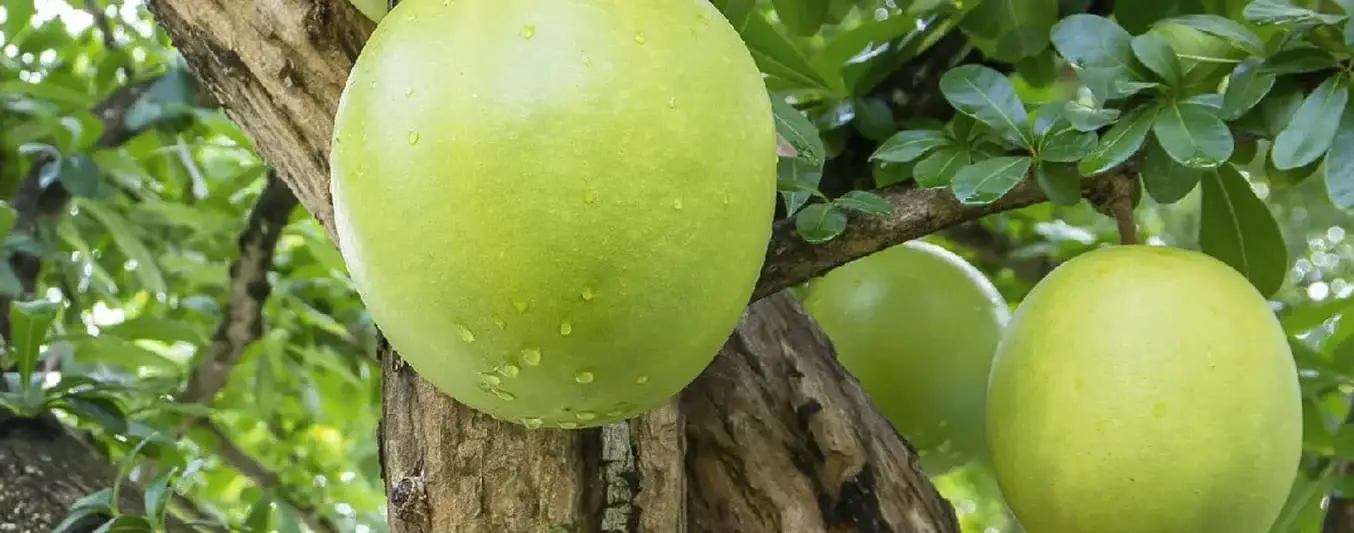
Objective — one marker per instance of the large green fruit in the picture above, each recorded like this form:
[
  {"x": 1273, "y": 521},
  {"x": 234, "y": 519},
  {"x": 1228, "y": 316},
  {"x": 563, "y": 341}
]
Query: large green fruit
[
  {"x": 918, "y": 326},
  {"x": 555, "y": 211},
  {"x": 373, "y": 9},
  {"x": 1144, "y": 389}
]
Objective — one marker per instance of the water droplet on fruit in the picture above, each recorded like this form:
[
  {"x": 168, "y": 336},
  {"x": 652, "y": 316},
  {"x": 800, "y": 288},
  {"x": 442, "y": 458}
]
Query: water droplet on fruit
[
  {"x": 490, "y": 379},
  {"x": 409, "y": 92},
  {"x": 498, "y": 321},
  {"x": 504, "y": 395},
  {"x": 589, "y": 196},
  {"x": 528, "y": 31},
  {"x": 677, "y": 204},
  {"x": 565, "y": 328},
  {"x": 568, "y": 425},
  {"x": 446, "y": 2},
  {"x": 587, "y": 294},
  {"x": 413, "y": 138},
  {"x": 532, "y": 423},
  {"x": 509, "y": 371},
  {"x": 672, "y": 103},
  {"x": 584, "y": 377},
  {"x": 701, "y": 17},
  {"x": 726, "y": 200},
  {"x": 614, "y": 414},
  {"x": 585, "y": 415},
  {"x": 467, "y": 335},
  {"x": 642, "y": 380},
  {"x": 531, "y": 356},
  {"x": 521, "y": 305},
  {"x": 640, "y": 40},
  {"x": 587, "y": 61}
]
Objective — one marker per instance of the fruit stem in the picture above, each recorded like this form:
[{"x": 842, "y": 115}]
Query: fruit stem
[{"x": 1122, "y": 209}]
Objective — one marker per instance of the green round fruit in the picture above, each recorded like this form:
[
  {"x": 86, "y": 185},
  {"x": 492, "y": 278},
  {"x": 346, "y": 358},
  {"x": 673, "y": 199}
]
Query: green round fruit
[
  {"x": 555, "y": 211},
  {"x": 372, "y": 9},
  {"x": 918, "y": 326},
  {"x": 1143, "y": 389}
]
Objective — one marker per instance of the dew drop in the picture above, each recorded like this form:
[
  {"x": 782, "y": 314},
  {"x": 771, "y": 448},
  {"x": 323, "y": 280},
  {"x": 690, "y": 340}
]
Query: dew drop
[
  {"x": 413, "y": 138},
  {"x": 532, "y": 423},
  {"x": 584, "y": 377},
  {"x": 585, "y": 415},
  {"x": 672, "y": 103},
  {"x": 568, "y": 425},
  {"x": 467, "y": 335},
  {"x": 565, "y": 328},
  {"x": 490, "y": 379},
  {"x": 531, "y": 356},
  {"x": 642, "y": 380},
  {"x": 409, "y": 92},
  {"x": 587, "y": 61},
  {"x": 589, "y": 196},
  {"x": 448, "y": 2},
  {"x": 475, "y": 95},
  {"x": 677, "y": 204},
  {"x": 521, "y": 305},
  {"x": 498, "y": 321},
  {"x": 528, "y": 31},
  {"x": 587, "y": 294},
  {"x": 509, "y": 371},
  {"x": 504, "y": 395},
  {"x": 726, "y": 199},
  {"x": 640, "y": 40}
]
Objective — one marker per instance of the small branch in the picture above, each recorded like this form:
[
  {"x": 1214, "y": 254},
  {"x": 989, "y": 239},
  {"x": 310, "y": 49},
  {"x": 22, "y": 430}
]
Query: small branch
[
  {"x": 101, "y": 20},
  {"x": 249, "y": 288},
  {"x": 1116, "y": 200},
  {"x": 266, "y": 479},
  {"x": 1123, "y": 215}
]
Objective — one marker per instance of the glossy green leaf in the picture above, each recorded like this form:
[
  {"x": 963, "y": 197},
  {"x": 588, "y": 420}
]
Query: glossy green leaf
[
  {"x": 1237, "y": 228},
  {"x": 1193, "y": 135},
  {"x": 18, "y": 15},
  {"x": 29, "y": 321},
  {"x": 8, "y": 216},
  {"x": 797, "y": 180},
  {"x": 908, "y": 145},
  {"x": 776, "y": 55},
  {"x": 157, "y": 495},
  {"x": 1067, "y": 145},
  {"x": 1300, "y": 60},
  {"x": 842, "y": 48},
  {"x": 101, "y": 410},
  {"x": 1278, "y": 108},
  {"x": 1340, "y": 163},
  {"x": 1246, "y": 87},
  {"x": 1087, "y": 118},
  {"x": 819, "y": 223},
  {"x": 1120, "y": 142},
  {"x": 260, "y": 519},
  {"x": 987, "y": 95},
  {"x": 939, "y": 168},
  {"x": 803, "y": 17},
  {"x": 80, "y": 175},
  {"x": 1100, "y": 50},
  {"x": 1157, "y": 55},
  {"x": 1223, "y": 27},
  {"x": 98, "y": 502},
  {"x": 864, "y": 202},
  {"x": 987, "y": 181},
  {"x": 1060, "y": 182},
  {"x": 1312, "y": 128},
  {"x": 1291, "y": 177},
  {"x": 1166, "y": 180},
  {"x": 128, "y": 238},
  {"x": 1285, "y": 12},
  {"x": 796, "y": 128},
  {"x": 126, "y": 524}
]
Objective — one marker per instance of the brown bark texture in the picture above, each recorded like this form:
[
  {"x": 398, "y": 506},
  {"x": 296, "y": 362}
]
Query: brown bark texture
[{"x": 774, "y": 436}]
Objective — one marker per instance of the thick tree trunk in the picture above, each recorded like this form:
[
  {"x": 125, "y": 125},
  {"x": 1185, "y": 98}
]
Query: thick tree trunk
[{"x": 773, "y": 437}]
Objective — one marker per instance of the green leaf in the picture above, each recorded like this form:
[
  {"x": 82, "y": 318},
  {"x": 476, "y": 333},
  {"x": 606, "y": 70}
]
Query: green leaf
[
  {"x": 985, "y": 94},
  {"x": 1302, "y": 510},
  {"x": 1300, "y": 61},
  {"x": 864, "y": 202},
  {"x": 29, "y": 321},
  {"x": 908, "y": 145},
  {"x": 128, "y": 238},
  {"x": 1087, "y": 118},
  {"x": 801, "y": 16},
  {"x": 9, "y": 281},
  {"x": 1284, "y": 12},
  {"x": 1278, "y": 108},
  {"x": 1247, "y": 86},
  {"x": 1156, "y": 53},
  {"x": 1225, "y": 28},
  {"x": 843, "y": 48},
  {"x": 1166, "y": 180},
  {"x": 735, "y": 11},
  {"x": 1011, "y": 30},
  {"x": 1193, "y": 135},
  {"x": 1285, "y": 178},
  {"x": 18, "y": 15},
  {"x": 1100, "y": 50},
  {"x": 1237, "y": 228},
  {"x": 874, "y": 118},
  {"x": 157, "y": 495},
  {"x": 797, "y": 180},
  {"x": 1060, "y": 182},
  {"x": 1340, "y": 163},
  {"x": 98, "y": 409},
  {"x": 1120, "y": 142},
  {"x": 98, "y": 502},
  {"x": 939, "y": 168},
  {"x": 987, "y": 181},
  {"x": 81, "y": 176},
  {"x": 8, "y": 216},
  {"x": 820, "y": 223},
  {"x": 796, "y": 128},
  {"x": 1067, "y": 145},
  {"x": 776, "y": 55},
  {"x": 260, "y": 519},
  {"x": 126, "y": 524},
  {"x": 1313, "y": 127}
]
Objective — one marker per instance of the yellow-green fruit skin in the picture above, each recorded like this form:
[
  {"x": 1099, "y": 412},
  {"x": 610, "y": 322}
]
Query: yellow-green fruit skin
[
  {"x": 372, "y": 9},
  {"x": 555, "y": 211},
  {"x": 1144, "y": 389},
  {"x": 918, "y": 327}
]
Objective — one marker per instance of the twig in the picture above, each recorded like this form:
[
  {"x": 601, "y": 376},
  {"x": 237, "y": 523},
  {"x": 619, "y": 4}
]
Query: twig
[
  {"x": 1116, "y": 200},
  {"x": 101, "y": 20}
]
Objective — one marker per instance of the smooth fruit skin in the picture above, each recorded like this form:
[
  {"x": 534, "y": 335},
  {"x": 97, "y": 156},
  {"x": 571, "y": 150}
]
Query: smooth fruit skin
[
  {"x": 1144, "y": 389},
  {"x": 555, "y": 211},
  {"x": 918, "y": 326}
]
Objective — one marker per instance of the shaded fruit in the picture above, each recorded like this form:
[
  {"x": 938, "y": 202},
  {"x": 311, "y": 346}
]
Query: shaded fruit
[
  {"x": 1143, "y": 389},
  {"x": 555, "y": 211},
  {"x": 918, "y": 326}
]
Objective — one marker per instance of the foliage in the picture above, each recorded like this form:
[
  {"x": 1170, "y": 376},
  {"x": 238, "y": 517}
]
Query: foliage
[{"x": 1223, "y": 108}]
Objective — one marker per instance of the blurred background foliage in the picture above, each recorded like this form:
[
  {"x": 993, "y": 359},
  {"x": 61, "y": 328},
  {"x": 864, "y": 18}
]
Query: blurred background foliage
[{"x": 137, "y": 265}]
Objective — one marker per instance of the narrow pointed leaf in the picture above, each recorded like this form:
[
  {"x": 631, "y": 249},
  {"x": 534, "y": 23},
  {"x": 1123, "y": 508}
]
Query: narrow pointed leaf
[
  {"x": 28, "y": 323},
  {"x": 1340, "y": 163},
  {"x": 1237, "y": 228},
  {"x": 1224, "y": 27},
  {"x": 908, "y": 145},
  {"x": 1193, "y": 135},
  {"x": 796, "y": 128},
  {"x": 1166, "y": 180},
  {"x": 1313, "y": 127},
  {"x": 1060, "y": 181},
  {"x": 987, "y": 181},
  {"x": 1285, "y": 12},
  {"x": 1156, "y": 53},
  {"x": 939, "y": 168},
  {"x": 1247, "y": 86},
  {"x": 987, "y": 95},
  {"x": 1120, "y": 142}
]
